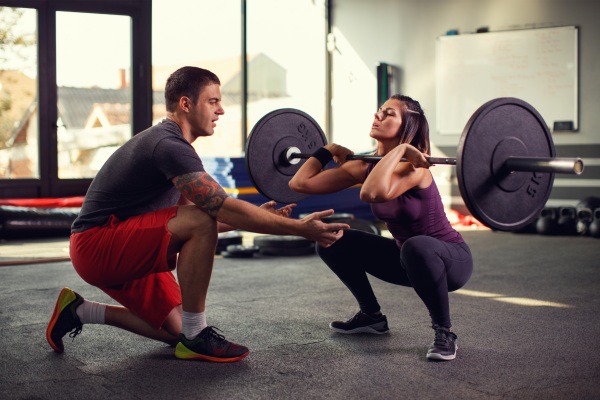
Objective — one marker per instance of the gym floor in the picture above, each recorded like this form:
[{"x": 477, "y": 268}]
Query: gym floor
[{"x": 528, "y": 324}]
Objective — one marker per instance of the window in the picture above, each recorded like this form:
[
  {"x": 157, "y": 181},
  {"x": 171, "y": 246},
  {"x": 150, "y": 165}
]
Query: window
[
  {"x": 206, "y": 35},
  {"x": 73, "y": 107},
  {"x": 93, "y": 66},
  {"x": 354, "y": 90},
  {"x": 285, "y": 63},
  {"x": 19, "y": 133},
  {"x": 106, "y": 64},
  {"x": 286, "y": 58}
]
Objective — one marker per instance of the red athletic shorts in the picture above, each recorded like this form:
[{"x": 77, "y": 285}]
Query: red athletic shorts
[{"x": 128, "y": 261}]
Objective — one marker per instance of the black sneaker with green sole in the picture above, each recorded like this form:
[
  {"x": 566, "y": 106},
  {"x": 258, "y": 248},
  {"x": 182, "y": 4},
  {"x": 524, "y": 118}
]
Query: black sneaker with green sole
[{"x": 209, "y": 346}]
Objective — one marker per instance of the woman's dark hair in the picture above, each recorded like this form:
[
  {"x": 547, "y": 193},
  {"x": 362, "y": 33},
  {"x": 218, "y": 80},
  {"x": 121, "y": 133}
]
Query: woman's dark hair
[
  {"x": 415, "y": 128},
  {"x": 187, "y": 81}
]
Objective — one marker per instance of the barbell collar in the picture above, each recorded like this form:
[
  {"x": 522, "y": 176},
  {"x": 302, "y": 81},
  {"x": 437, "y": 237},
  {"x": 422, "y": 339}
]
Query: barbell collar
[
  {"x": 291, "y": 156},
  {"x": 541, "y": 164}
]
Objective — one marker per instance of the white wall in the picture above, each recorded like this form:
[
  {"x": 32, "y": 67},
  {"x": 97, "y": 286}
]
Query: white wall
[{"x": 403, "y": 33}]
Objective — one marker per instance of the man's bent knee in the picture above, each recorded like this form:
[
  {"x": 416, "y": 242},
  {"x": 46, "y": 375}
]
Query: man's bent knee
[{"x": 191, "y": 221}]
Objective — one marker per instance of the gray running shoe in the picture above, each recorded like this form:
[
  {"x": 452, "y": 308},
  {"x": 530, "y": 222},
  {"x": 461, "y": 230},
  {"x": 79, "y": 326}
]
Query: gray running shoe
[{"x": 444, "y": 345}]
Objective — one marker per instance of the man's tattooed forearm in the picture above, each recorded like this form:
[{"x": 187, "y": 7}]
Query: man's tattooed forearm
[{"x": 203, "y": 190}]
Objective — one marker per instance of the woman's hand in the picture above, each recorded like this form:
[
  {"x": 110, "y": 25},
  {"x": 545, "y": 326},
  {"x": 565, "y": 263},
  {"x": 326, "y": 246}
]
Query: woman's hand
[
  {"x": 314, "y": 178},
  {"x": 391, "y": 178},
  {"x": 339, "y": 152},
  {"x": 415, "y": 157},
  {"x": 284, "y": 211}
]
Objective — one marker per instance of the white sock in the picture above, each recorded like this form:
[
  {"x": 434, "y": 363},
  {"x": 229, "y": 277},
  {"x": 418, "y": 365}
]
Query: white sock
[
  {"x": 192, "y": 324},
  {"x": 91, "y": 312}
]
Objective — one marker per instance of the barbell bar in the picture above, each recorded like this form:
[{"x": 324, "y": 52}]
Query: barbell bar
[
  {"x": 292, "y": 155},
  {"x": 505, "y": 160},
  {"x": 512, "y": 164}
]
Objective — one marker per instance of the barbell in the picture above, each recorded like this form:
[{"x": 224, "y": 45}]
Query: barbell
[{"x": 505, "y": 160}]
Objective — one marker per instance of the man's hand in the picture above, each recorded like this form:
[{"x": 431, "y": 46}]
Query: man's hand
[
  {"x": 323, "y": 233},
  {"x": 284, "y": 211}
]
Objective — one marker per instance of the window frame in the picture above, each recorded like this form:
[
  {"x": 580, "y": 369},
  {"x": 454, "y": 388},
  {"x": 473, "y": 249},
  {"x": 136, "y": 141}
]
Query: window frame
[{"x": 140, "y": 12}]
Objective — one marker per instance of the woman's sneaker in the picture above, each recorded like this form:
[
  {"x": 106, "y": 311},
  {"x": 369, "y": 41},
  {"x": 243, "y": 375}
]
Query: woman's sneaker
[
  {"x": 444, "y": 345},
  {"x": 64, "y": 319},
  {"x": 209, "y": 346},
  {"x": 362, "y": 323}
]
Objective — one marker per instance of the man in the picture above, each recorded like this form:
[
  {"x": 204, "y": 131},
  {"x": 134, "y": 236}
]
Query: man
[{"x": 152, "y": 208}]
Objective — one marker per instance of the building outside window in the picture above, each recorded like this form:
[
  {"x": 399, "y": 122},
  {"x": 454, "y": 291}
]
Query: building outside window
[{"x": 19, "y": 133}]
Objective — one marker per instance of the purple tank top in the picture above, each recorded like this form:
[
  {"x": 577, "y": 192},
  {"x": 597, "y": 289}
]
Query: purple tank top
[{"x": 416, "y": 212}]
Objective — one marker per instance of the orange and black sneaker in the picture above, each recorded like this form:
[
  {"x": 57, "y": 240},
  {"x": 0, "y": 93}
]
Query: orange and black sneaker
[
  {"x": 209, "y": 346},
  {"x": 64, "y": 319}
]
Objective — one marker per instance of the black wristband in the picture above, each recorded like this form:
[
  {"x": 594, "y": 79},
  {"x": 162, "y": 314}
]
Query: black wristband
[{"x": 323, "y": 155}]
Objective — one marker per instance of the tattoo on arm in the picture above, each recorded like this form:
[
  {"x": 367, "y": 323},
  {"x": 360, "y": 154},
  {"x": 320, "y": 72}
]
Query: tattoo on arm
[{"x": 202, "y": 190}]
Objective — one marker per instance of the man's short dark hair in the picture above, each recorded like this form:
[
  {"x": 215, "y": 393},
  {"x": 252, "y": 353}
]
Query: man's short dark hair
[{"x": 187, "y": 81}]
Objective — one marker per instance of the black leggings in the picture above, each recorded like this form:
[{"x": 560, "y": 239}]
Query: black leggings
[{"x": 432, "y": 267}]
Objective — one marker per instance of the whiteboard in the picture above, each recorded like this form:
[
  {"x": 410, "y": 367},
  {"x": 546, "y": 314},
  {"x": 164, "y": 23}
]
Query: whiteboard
[{"x": 535, "y": 65}]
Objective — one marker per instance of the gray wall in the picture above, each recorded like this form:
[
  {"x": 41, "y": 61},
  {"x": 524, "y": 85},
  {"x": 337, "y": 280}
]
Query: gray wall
[{"x": 403, "y": 33}]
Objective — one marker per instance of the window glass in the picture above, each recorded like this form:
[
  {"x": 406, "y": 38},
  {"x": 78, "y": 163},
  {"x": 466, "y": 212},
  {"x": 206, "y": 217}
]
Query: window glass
[
  {"x": 19, "y": 144},
  {"x": 286, "y": 50},
  {"x": 206, "y": 35},
  {"x": 354, "y": 95},
  {"x": 93, "y": 65}
]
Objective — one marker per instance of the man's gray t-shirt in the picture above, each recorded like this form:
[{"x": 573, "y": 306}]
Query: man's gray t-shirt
[{"x": 136, "y": 179}]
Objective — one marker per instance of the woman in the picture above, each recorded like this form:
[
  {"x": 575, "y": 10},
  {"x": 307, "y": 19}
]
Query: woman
[{"x": 426, "y": 253}]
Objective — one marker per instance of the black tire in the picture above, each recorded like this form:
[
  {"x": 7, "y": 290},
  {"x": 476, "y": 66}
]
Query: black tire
[
  {"x": 281, "y": 241},
  {"x": 239, "y": 251},
  {"x": 337, "y": 217},
  {"x": 226, "y": 239}
]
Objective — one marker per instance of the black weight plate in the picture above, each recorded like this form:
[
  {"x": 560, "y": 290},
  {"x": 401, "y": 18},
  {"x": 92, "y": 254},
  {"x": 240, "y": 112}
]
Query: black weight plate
[
  {"x": 272, "y": 134},
  {"x": 336, "y": 217},
  {"x": 281, "y": 241},
  {"x": 363, "y": 225},
  {"x": 226, "y": 239},
  {"x": 500, "y": 128}
]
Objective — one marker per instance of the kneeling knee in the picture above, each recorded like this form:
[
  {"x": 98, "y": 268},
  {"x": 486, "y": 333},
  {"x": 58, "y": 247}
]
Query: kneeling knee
[{"x": 192, "y": 221}]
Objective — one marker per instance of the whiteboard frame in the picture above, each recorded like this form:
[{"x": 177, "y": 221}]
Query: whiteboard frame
[{"x": 443, "y": 81}]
